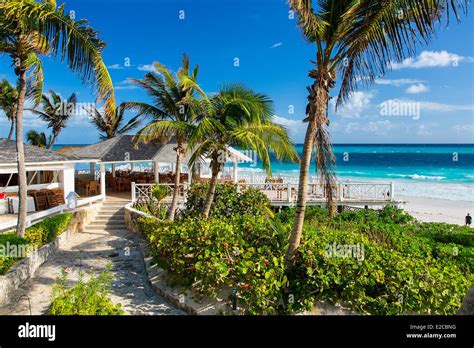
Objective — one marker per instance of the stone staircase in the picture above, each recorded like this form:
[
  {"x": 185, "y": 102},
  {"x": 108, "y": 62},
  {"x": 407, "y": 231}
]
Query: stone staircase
[{"x": 109, "y": 218}]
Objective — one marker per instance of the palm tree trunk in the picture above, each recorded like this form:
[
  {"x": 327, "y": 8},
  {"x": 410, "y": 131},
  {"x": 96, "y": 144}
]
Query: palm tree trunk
[
  {"x": 12, "y": 128},
  {"x": 212, "y": 188},
  {"x": 316, "y": 116},
  {"x": 55, "y": 137},
  {"x": 22, "y": 181},
  {"x": 174, "y": 202}
]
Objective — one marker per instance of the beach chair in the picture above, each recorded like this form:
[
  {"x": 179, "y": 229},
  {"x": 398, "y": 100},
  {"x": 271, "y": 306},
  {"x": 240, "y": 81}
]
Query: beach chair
[{"x": 51, "y": 199}]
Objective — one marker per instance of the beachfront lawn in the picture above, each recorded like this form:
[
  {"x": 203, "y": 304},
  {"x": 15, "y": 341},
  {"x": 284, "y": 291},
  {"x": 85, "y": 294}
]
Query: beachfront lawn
[
  {"x": 372, "y": 262},
  {"x": 14, "y": 248}
]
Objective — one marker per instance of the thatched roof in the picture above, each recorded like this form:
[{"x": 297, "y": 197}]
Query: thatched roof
[{"x": 33, "y": 154}]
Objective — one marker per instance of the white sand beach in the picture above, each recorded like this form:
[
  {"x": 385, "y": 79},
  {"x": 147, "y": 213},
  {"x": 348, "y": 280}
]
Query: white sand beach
[{"x": 438, "y": 210}]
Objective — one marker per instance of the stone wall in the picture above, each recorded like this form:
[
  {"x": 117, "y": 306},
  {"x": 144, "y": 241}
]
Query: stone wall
[{"x": 24, "y": 269}]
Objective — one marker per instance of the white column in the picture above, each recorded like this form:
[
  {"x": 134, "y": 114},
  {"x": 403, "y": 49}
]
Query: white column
[
  {"x": 66, "y": 179},
  {"x": 235, "y": 173},
  {"x": 102, "y": 181},
  {"x": 156, "y": 172},
  {"x": 392, "y": 191}
]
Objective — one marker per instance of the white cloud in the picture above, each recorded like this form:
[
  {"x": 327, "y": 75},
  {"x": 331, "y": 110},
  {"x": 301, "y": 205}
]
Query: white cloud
[
  {"x": 427, "y": 105},
  {"x": 464, "y": 129},
  {"x": 146, "y": 67},
  {"x": 431, "y": 59},
  {"x": 275, "y": 45},
  {"x": 296, "y": 128},
  {"x": 425, "y": 129},
  {"x": 372, "y": 127},
  {"x": 357, "y": 103},
  {"x": 432, "y": 106},
  {"x": 115, "y": 67},
  {"x": 396, "y": 82},
  {"x": 418, "y": 88}
]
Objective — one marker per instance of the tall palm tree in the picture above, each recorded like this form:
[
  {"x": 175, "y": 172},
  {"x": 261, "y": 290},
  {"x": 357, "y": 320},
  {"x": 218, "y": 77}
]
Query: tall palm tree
[
  {"x": 29, "y": 29},
  {"x": 171, "y": 114},
  {"x": 8, "y": 103},
  {"x": 38, "y": 139},
  {"x": 237, "y": 116},
  {"x": 356, "y": 40},
  {"x": 56, "y": 112},
  {"x": 109, "y": 122}
]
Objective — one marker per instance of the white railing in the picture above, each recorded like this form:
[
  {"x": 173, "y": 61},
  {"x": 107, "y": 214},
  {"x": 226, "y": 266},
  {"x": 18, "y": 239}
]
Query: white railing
[
  {"x": 8, "y": 225},
  {"x": 142, "y": 191},
  {"x": 349, "y": 192}
]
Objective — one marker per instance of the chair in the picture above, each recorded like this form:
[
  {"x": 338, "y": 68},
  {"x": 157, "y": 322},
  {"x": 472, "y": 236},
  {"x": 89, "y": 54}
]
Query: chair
[
  {"x": 40, "y": 199},
  {"x": 59, "y": 193},
  {"x": 93, "y": 187},
  {"x": 51, "y": 199}
]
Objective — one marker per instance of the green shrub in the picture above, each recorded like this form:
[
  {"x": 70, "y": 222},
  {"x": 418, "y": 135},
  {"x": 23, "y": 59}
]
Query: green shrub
[
  {"x": 8, "y": 240},
  {"x": 227, "y": 201},
  {"x": 85, "y": 297},
  {"x": 402, "y": 266},
  {"x": 47, "y": 230}
]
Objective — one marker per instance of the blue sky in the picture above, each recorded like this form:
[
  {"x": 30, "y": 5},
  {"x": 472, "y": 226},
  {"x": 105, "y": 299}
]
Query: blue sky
[{"x": 273, "y": 59}]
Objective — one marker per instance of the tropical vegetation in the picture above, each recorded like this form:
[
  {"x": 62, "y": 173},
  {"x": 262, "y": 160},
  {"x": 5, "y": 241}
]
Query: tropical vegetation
[
  {"x": 236, "y": 116},
  {"x": 357, "y": 41},
  {"x": 172, "y": 115},
  {"x": 36, "y": 236},
  {"x": 8, "y": 103},
  {"x": 86, "y": 297},
  {"x": 30, "y": 29},
  {"x": 371, "y": 262},
  {"x": 56, "y": 112}
]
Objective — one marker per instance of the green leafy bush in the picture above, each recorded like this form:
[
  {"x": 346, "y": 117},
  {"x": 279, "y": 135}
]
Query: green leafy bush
[
  {"x": 7, "y": 241},
  {"x": 227, "y": 201},
  {"x": 85, "y": 297},
  {"x": 35, "y": 236},
  {"x": 240, "y": 252},
  {"x": 400, "y": 265},
  {"x": 47, "y": 230}
]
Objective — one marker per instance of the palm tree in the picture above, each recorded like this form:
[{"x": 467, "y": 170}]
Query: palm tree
[
  {"x": 109, "y": 122},
  {"x": 237, "y": 116},
  {"x": 356, "y": 40},
  {"x": 29, "y": 29},
  {"x": 171, "y": 115},
  {"x": 8, "y": 103},
  {"x": 38, "y": 139},
  {"x": 56, "y": 112}
]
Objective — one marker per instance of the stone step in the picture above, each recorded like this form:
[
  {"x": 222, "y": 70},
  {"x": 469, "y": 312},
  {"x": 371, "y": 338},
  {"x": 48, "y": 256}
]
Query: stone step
[
  {"x": 107, "y": 223},
  {"x": 105, "y": 228},
  {"x": 112, "y": 218}
]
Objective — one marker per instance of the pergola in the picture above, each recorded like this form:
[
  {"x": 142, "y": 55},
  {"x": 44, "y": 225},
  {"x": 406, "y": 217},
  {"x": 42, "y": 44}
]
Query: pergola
[{"x": 122, "y": 150}]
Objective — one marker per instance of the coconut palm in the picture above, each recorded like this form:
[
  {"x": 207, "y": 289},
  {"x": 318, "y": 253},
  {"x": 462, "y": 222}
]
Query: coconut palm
[
  {"x": 109, "y": 122},
  {"x": 8, "y": 103},
  {"x": 356, "y": 40},
  {"x": 56, "y": 112},
  {"x": 38, "y": 139},
  {"x": 29, "y": 29},
  {"x": 237, "y": 116},
  {"x": 171, "y": 114}
]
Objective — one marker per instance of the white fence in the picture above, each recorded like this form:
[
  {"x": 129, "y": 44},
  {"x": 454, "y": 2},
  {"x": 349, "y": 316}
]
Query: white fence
[{"x": 346, "y": 192}]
